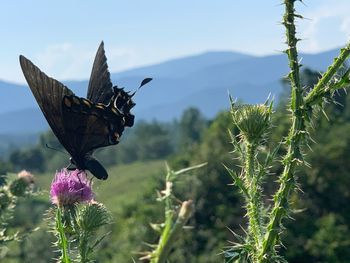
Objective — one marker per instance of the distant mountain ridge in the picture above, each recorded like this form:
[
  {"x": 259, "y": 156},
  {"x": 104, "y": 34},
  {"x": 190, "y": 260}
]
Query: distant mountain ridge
[{"x": 201, "y": 80}]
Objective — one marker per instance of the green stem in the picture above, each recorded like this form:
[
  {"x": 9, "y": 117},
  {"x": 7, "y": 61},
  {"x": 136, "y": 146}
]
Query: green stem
[
  {"x": 63, "y": 242},
  {"x": 320, "y": 88},
  {"x": 163, "y": 247},
  {"x": 171, "y": 232},
  {"x": 296, "y": 133},
  {"x": 254, "y": 194}
]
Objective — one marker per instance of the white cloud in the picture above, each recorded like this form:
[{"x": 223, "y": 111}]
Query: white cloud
[
  {"x": 327, "y": 26},
  {"x": 120, "y": 58}
]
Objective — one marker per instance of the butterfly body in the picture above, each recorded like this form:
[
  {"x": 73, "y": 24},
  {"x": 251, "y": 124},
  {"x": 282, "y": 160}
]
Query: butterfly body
[{"x": 83, "y": 125}]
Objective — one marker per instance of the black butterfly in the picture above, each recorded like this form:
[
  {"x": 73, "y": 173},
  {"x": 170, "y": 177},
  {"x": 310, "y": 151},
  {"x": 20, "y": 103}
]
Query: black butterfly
[{"x": 83, "y": 125}]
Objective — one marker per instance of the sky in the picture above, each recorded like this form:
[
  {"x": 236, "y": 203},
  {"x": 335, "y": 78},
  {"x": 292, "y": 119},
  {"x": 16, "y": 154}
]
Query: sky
[{"x": 61, "y": 37}]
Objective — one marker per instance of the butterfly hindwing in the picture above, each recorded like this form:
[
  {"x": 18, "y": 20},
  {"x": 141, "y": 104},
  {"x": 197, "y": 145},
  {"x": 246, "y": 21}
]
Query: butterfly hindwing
[{"x": 94, "y": 124}]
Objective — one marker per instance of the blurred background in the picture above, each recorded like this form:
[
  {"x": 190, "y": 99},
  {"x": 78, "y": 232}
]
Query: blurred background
[{"x": 196, "y": 52}]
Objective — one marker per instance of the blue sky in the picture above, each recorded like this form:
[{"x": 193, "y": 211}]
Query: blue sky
[{"x": 61, "y": 37}]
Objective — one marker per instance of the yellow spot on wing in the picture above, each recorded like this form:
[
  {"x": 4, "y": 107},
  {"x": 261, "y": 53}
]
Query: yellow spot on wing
[
  {"x": 87, "y": 103},
  {"x": 99, "y": 106}
]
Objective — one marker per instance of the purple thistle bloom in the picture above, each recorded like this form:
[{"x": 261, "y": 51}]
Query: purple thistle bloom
[{"x": 70, "y": 187}]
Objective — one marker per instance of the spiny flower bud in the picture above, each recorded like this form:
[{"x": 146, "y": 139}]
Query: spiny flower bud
[
  {"x": 186, "y": 210},
  {"x": 253, "y": 121},
  {"x": 92, "y": 216},
  {"x": 26, "y": 176},
  {"x": 18, "y": 186}
]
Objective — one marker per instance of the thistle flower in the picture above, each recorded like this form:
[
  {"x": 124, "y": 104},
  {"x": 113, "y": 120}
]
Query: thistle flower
[{"x": 70, "y": 187}]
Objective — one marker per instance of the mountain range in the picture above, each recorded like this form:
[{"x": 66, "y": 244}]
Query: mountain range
[{"x": 202, "y": 81}]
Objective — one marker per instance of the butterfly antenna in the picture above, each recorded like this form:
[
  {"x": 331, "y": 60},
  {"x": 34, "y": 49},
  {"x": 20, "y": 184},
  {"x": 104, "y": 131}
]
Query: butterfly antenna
[
  {"x": 57, "y": 150},
  {"x": 143, "y": 83}
]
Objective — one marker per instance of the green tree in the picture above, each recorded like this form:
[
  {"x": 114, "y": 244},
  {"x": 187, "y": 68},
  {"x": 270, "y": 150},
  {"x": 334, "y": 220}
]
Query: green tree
[
  {"x": 192, "y": 124},
  {"x": 151, "y": 141},
  {"x": 30, "y": 159}
]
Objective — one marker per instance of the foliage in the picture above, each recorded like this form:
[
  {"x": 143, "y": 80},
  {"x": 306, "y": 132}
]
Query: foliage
[
  {"x": 12, "y": 190},
  {"x": 192, "y": 125}
]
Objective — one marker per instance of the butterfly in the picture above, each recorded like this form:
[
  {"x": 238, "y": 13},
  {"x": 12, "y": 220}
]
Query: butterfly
[{"x": 83, "y": 125}]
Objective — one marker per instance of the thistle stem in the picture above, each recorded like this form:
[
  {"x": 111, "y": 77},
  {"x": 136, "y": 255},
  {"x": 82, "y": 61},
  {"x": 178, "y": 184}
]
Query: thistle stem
[
  {"x": 296, "y": 133},
  {"x": 63, "y": 242},
  {"x": 254, "y": 205},
  {"x": 320, "y": 88},
  {"x": 171, "y": 232}
]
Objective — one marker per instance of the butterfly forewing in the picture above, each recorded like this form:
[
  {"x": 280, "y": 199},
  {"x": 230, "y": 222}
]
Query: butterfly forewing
[
  {"x": 49, "y": 93},
  {"x": 100, "y": 85}
]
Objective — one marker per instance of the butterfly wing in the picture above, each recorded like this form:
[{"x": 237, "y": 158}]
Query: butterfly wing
[
  {"x": 123, "y": 103},
  {"x": 96, "y": 125},
  {"x": 80, "y": 125},
  {"x": 48, "y": 93},
  {"x": 100, "y": 85}
]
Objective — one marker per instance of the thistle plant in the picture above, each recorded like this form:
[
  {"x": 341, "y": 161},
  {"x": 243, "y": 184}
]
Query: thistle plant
[
  {"x": 77, "y": 216},
  {"x": 253, "y": 123},
  {"x": 12, "y": 189},
  {"x": 176, "y": 215},
  {"x": 263, "y": 234}
]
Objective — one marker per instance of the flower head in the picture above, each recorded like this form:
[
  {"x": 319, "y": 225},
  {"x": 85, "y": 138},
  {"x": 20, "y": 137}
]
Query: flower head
[
  {"x": 26, "y": 176},
  {"x": 70, "y": 187},
  {"x": 23, "y": 183},
  {"x": 253, "y": 121}
]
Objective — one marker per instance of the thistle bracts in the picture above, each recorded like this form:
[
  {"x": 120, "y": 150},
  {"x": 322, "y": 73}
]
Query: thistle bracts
[
  {"x": 253, "y": 121},
  {"x": 90, "y": 218}
]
